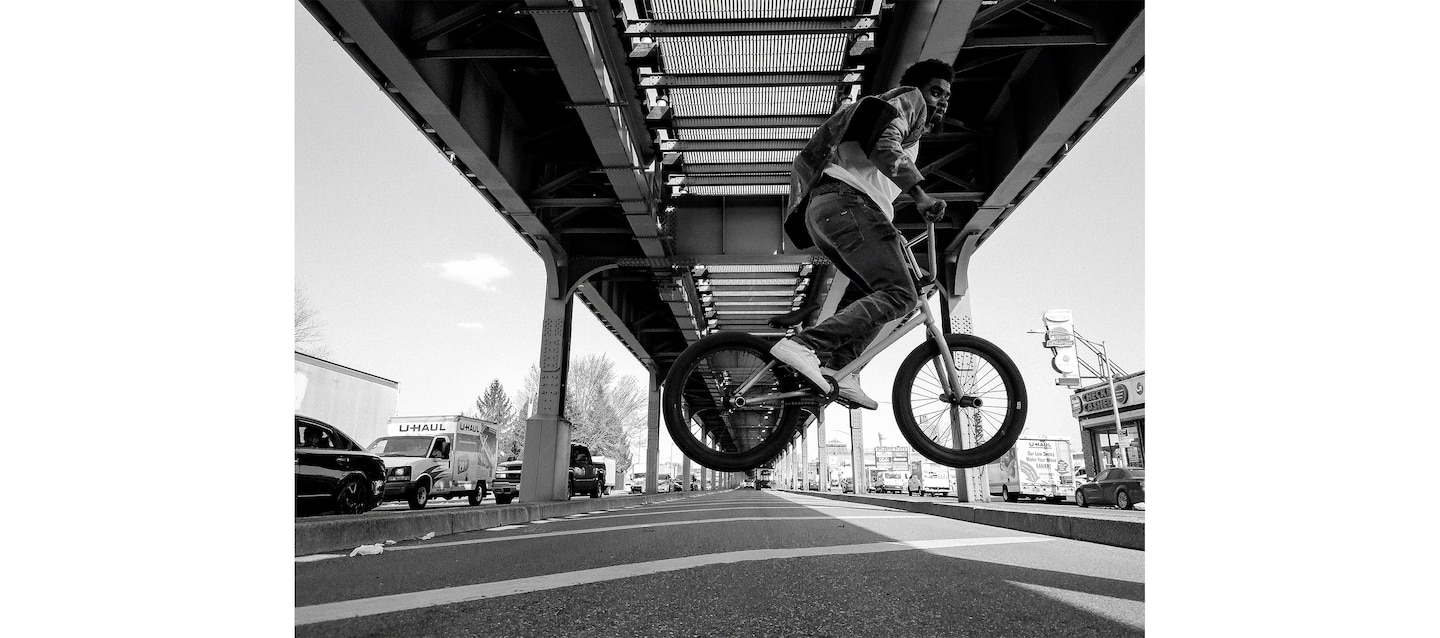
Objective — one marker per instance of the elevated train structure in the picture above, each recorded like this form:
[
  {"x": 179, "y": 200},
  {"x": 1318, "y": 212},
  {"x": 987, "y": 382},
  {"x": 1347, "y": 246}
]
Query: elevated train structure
[{"x": 642, "y": 147}]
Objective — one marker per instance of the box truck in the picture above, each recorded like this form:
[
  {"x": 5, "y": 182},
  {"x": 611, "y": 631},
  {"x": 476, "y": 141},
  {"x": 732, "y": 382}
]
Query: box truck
[
  {"x": 1033, "y": 468},
  {"x": 436, "y": 456}
]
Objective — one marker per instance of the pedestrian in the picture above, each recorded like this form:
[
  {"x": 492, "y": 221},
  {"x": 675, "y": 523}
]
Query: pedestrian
[{"x": 843, "y": 186}]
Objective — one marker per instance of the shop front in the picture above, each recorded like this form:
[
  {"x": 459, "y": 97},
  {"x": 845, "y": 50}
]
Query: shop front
[{"x": 1112, "y": 428}]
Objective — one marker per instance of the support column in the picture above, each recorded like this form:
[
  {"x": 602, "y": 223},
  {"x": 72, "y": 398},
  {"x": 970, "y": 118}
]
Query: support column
[
  {"x": 822, "y": 459},
  {"x": 857, "y": 453},
  {"x": 971, "y": 485},
  {"x": 685, "y": 474},
  {"x": 652, "y": 437},
  {"x": 804, "y": 459},
  {"x": 546, "y": 461}
]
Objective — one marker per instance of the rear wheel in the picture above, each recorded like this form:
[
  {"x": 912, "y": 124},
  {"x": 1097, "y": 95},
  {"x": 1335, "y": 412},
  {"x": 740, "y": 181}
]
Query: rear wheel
[
  {"x": 714, "y": 425},
  {"x": 989, "y": 406},
  {"x": 478, "y": 495},
  {"x": 1080, "y": 499},
  {"x": 1122, "y": 500},
  {"x": 1009, "y": 498}
]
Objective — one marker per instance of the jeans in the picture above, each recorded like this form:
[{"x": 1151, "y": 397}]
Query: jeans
[{"x": 850, "y": 230}]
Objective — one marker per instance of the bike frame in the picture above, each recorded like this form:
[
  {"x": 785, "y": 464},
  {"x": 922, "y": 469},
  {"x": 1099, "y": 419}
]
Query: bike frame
[{"x": 921, "y": 315}]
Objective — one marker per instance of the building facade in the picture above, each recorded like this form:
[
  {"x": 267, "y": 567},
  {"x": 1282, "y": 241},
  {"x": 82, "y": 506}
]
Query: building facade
[{"x": 1105, "y": 440}]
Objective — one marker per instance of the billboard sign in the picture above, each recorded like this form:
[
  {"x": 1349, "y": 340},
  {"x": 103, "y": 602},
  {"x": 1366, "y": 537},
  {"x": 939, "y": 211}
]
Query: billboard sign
[{"x": 1060, "y": 339}]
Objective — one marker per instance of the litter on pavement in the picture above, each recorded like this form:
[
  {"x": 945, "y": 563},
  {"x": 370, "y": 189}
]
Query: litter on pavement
[{"x": 367, "y": 550}]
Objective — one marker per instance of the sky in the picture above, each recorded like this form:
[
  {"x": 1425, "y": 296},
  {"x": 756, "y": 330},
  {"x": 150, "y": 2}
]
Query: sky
[{"x": 416, "y": 279}]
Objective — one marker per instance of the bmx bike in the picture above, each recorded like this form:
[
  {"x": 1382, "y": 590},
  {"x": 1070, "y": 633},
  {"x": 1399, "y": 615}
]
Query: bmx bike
[{"x": 958, "y": 399}]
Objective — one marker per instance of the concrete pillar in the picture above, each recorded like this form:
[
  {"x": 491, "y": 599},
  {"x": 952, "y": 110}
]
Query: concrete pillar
[
  {"x": 546, "y": 461},
  {"x": 971, "y": 484},
  {"x": 822, "y": 459},
  {"x": 652, "y": 437},
  {"x": 685, "y": 474},
  {"x": 804, "y": 459},
  {"x": 857, "y": 453}
]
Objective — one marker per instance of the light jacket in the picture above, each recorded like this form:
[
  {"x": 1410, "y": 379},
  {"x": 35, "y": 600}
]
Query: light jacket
[{"x": 882, "y": 124}]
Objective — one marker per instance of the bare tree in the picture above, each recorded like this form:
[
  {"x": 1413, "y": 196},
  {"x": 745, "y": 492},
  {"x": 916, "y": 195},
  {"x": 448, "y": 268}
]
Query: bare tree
[
  {"x": 309, "y": 335},
  {"x": 606, "y": 412}
]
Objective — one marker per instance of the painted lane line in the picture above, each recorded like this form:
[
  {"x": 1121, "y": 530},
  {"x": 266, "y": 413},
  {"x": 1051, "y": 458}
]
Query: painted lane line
[
  {"x": 617, "y": 528},
  {"x": 465, "y": 593},
  {"x": 314, "y": 557},
  {"x": 502, "y": 528}
]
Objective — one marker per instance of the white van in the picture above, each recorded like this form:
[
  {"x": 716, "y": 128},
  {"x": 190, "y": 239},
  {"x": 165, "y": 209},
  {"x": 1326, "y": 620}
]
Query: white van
[{"x": 436, "y": 456}]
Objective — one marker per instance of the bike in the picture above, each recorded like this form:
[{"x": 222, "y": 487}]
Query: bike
[{"x": 959, "y": 400}]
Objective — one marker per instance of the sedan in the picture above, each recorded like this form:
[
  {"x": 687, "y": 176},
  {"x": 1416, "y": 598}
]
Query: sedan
[
  {"x": 332, "y": 472},
  {"x": 1122, "y": 487}
]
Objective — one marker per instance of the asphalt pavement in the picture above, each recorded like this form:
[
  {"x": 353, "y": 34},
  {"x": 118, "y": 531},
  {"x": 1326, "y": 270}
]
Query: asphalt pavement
[{"x": 739, "y": 562}]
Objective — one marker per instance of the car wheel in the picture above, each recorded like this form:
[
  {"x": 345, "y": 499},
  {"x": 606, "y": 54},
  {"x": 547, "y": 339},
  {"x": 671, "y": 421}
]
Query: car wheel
[
  {"x": 1080, "y": 499},
  {"x": 352, "y": 497},
  {"x": 420, "y": 496},
  {"x": 595, "y": 493},
  {"x": 478, "y": 495},
  {"x": 503, "y": 500},
  {"x": 1122, "y": 500},
  {"x": 1005, "y": 494}
]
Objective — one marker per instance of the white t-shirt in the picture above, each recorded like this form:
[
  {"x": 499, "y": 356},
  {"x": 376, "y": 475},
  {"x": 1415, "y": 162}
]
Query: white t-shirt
[{"x": 852, "y": 166}]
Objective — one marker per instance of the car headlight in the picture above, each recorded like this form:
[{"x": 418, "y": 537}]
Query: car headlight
[{"x": 400, "y": 472}]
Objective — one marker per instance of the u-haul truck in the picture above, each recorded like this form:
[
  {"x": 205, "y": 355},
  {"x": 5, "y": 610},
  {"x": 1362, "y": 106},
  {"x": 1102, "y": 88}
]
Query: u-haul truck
[
  {"x": 436, "y": 456},
  {"x": 1034, "y": 468}
]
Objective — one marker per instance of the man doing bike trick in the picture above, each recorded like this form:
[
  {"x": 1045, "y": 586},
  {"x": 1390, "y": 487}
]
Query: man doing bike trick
[{"x": 842, "y": 191}]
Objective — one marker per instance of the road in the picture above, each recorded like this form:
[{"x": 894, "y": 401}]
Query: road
[{"x": 737, "y": 562}]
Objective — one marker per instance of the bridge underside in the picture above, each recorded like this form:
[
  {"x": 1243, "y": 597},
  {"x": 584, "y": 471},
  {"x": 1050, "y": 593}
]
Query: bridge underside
[{"x": 643, "y": 146}]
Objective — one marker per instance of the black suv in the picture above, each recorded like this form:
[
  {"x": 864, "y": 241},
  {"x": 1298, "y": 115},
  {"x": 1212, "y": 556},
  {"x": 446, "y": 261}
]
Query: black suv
[{"x": 332, "y": 472}]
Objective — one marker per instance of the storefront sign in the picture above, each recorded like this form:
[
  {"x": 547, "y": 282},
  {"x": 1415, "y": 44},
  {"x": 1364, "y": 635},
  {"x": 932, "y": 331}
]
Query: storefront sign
[
  {"x": 1060, "y": 339},
  {"x": 1129, "y": 393}
]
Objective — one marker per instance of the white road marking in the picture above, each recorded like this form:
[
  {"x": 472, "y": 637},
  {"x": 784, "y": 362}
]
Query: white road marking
[
  {"x": 1121, "y": 610},
  {"x": 450, "y": 595},
  {"x": 502, "y": 528},
  {"x": 616, "y": 528},
  {"x": 314, "y": 557}
]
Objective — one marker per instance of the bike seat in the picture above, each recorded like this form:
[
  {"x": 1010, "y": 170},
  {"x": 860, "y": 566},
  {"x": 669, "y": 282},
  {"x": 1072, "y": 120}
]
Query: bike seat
[{"x": 794, "y": 317}]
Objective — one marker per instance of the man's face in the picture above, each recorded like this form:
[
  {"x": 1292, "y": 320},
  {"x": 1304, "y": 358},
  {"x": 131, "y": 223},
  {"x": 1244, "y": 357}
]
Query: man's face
[{"x": 937, "y": 100}]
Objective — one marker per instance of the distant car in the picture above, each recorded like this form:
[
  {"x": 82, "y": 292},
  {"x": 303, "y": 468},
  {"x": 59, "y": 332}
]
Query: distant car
[
  {"x": 847, "y": 486},
  {"x": 749, "y": 484},
  {"x": 332, "y": 472},
  {"x": 506, "y": 485},
  {"x": 1122, "y": 487}
]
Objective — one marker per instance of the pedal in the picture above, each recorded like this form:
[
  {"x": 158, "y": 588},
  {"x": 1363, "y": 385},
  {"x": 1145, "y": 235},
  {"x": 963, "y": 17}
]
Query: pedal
[{"x": 834, "y": 393}]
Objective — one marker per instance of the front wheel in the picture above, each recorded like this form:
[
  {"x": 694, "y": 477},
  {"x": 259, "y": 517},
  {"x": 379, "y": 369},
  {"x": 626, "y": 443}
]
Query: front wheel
[
  {"x": 1080, "y": 499},
  {"x": 967, "y": 426},
  {"x": 420, "y": 496},
  {"x": 1122, "y": 500},
  {"x": 711, "y": 422},
  {"x": 478, "y": 495}
]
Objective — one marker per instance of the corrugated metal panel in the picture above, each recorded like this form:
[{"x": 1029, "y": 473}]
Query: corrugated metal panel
[
  {"x": 777, "y": 133},
  {"x": 754, "y": 54},
  {"x": 716, "y": 191},
  {"x": 780, "y": 100},
  {"x": 730, "y": 157},
  {"x": 747, "y": 9}
]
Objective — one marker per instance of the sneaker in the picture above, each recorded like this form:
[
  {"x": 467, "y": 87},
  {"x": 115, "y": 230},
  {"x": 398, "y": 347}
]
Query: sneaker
[
  {"x": 850, "y": 391},
  {"x": 794, "y": 354}
]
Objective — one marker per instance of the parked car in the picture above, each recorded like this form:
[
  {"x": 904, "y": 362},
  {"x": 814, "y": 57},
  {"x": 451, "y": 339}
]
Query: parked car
[
  {"x": 847, "y": 485},
  {"x": 1122, "y": 487},
  {"x": 332, "y": 472}
]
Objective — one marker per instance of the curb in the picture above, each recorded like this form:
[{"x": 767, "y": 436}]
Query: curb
[
  {"x": 346, "y": 532},
  {"x": 1126, "y": 534}
]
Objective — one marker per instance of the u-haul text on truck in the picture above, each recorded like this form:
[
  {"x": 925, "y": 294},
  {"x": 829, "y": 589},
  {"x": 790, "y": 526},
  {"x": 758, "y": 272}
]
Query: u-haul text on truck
[
  {"x": 1035, "y": 468},
  {"x": 436, "y": 456}
]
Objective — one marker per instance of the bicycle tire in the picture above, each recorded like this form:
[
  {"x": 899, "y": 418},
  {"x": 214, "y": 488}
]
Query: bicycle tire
[
  {"x": 987, "y": 374},
  {"x": 743, "y": 438}
]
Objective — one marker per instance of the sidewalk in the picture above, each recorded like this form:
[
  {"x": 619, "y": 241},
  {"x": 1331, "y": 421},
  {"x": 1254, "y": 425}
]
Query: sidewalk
[{"x": 1093, "y": 525}]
